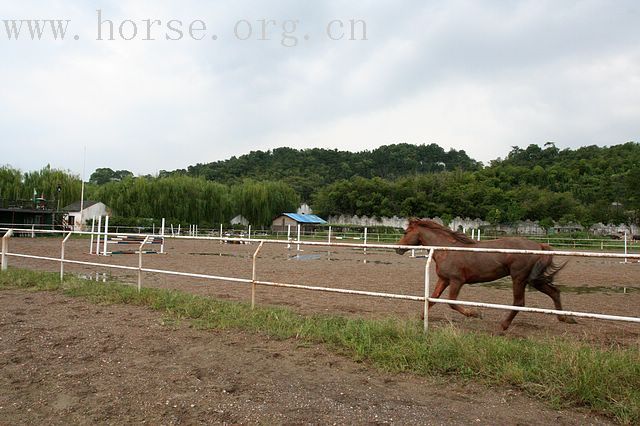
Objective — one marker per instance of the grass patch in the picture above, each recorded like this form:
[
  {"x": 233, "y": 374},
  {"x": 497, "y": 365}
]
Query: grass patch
[{"x": 561, "y": 372}]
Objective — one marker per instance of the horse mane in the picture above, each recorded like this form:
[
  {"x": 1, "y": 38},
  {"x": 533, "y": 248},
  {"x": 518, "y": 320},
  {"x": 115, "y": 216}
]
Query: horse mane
[{"x": 435, "y": 226}]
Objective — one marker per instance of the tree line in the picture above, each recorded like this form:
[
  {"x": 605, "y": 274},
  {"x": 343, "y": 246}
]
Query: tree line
[
  {"x": 586, "y": 185},
  {"x": 177, "y": 198},
  {"x": 308, "y": 170}
]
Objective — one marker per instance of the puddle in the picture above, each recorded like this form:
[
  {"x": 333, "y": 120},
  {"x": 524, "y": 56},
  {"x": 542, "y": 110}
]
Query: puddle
[
  {"x": 241, "y": 256},
  {"x": 306, "y": 257},
  {"x": 98, "y": 276},
  {"x": 377, "y": 262},
  {"x": 505, "y": 284}
]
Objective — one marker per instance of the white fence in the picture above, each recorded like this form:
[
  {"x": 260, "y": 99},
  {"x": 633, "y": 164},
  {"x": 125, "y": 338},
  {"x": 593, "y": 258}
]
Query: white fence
[{"x": 261, "y": 242}]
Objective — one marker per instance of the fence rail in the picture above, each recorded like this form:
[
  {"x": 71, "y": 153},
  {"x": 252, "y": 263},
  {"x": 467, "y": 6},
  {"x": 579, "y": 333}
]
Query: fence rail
[{"x": 255, "y": 282}]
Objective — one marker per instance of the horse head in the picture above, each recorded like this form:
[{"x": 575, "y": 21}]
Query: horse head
[{"x": 411, "y": 237}]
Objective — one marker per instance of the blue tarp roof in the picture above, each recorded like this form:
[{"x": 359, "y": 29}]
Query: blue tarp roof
[{"x": 305, "y": 218}]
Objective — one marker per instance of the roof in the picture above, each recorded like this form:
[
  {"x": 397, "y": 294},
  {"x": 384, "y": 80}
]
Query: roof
[
  {"x": 305, "y": 218},
  {"x": 75, "y": 207}
]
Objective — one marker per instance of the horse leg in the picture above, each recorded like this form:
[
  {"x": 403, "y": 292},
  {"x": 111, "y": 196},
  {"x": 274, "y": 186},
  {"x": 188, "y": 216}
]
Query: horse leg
[
  {"x": 554, "y": 294},
  {"x": 454, "y": 289},
  {"x": 518, "y": 300},
  {"x": 440, "y": 287}
]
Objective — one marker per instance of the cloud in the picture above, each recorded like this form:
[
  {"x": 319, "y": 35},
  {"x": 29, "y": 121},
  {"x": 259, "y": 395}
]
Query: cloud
[{"x": 475, "y": 75}]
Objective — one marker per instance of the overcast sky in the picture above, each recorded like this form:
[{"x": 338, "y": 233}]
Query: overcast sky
[{"x": 475, "y": 75}]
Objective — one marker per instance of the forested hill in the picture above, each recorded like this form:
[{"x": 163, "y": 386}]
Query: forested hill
[
  {"x": 589, "y": 184},
  {"x": 310, "y": 169}
]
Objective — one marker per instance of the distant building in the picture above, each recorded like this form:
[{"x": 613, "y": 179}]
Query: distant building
[
  {"x": 38, "y": 213},
  {"x": 304, "y": 209},
  {"x": 307, "y": 221},
  {"x": 89, "y": 210},
  {"x": 240, "y": 220}
]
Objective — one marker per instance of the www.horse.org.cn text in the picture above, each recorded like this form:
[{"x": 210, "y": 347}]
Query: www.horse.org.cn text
[{"x": 285, "y": 32}]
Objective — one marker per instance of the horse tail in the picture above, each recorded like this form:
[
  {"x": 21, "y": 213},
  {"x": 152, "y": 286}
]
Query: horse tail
[{"x": 544, "y": 269}]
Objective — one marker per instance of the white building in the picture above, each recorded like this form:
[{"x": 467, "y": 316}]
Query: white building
[
  {"x": 89, "y": 209},
  {"x": 240, "y": 220}
]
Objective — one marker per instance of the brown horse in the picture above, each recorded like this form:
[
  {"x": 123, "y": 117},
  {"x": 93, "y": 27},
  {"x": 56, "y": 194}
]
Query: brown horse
[{"x": 455, "y": 269}]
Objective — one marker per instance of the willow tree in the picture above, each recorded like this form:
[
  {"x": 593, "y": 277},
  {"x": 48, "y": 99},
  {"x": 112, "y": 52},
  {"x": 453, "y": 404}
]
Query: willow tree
[
  {"x": 260, "y": 202},
  {"x": 15, "y": 185},
  {"x": 180, "y": 198}
]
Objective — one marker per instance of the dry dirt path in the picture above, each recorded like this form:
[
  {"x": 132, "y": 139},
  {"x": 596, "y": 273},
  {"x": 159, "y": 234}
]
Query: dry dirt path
[{"x": 64, "y": 360}]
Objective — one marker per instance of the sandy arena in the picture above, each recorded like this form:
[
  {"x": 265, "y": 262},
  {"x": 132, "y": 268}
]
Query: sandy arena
[{"x": 67, "y": 360}]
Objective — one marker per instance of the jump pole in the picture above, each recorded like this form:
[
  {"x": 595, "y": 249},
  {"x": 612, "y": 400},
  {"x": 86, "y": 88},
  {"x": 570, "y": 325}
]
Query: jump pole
[
  {"x": 329, "y": 238},
  {"x": 289, "y": 236},
  {"x": 478, "y": 235},
  {"x": 625, "y": 246},
  {"x": 298, "y": 237},
  {"x": 106, "y": 235},
  {"x": 249, "y": 231},
  {"x": 220, "y": 233},
  {"x": 98, "y": 236},
  {"x": 162, "y": 233},
  {"x": 93, "y": 226}
]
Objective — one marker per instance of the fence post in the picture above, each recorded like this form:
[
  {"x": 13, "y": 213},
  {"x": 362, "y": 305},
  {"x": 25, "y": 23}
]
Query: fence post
[
  {"x": 625, "y": 246},
  {"x": 298, "y": 249},
  {"x": 253, "y": 277},
  {"x": 329, "y": 239},
  {"x": 425, "y": 312},
  {"x": 249, "y": 231},
  {"x": 365, "y": 239},
  {"x": 221, "y": 234},
  {"x": 64, "y": 241},
  {"x": 5, "y": 249},
  {"x": 140, "y": 262},
  {"x": 289, "y": 236}
]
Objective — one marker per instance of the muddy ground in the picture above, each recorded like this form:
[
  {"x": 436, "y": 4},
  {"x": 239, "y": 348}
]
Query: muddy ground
[
  {"x": 588, "y": 284},
  {"x": 65, "y": 360}
]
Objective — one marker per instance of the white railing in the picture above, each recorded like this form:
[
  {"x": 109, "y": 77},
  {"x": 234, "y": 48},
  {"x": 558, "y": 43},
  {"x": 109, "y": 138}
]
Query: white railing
[{"x": 255, "y": 282}]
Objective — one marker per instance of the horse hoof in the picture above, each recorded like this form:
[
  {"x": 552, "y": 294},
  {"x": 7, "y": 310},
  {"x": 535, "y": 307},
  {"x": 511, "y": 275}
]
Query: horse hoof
[
  {"x": 567, "y": 320},
  {"x": 475, "y": 314},
  {"x": 504, "y": 326}
]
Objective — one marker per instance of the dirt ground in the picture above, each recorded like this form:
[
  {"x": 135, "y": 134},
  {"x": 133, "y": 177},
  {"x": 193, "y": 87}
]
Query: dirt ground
[
  {"x": 588, "y": 284},
  {"x": 64, "y": 360}
]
